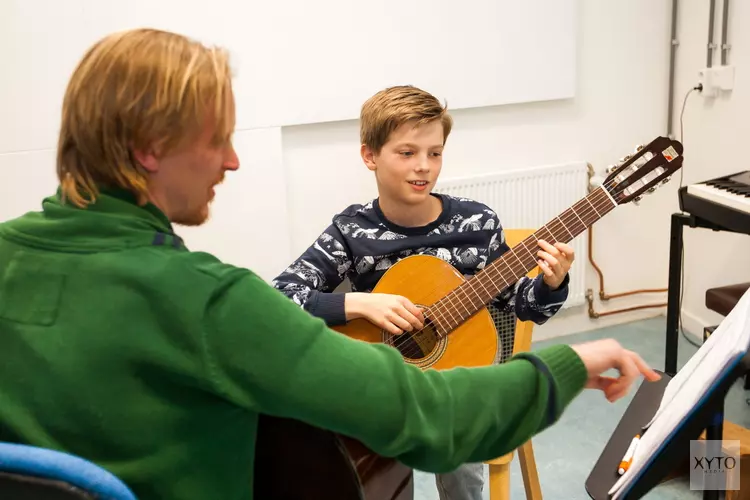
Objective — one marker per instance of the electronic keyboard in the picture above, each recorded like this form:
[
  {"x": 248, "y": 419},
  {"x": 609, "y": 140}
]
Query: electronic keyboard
[{"x": 724, "y": 201}]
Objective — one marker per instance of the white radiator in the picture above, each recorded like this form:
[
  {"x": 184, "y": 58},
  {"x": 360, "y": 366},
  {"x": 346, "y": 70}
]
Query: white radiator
[{"x": 528, "y": 199}]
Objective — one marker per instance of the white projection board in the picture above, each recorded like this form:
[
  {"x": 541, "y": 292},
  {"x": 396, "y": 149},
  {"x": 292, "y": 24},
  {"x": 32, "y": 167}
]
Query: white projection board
[{"x": 303, "y": 61}]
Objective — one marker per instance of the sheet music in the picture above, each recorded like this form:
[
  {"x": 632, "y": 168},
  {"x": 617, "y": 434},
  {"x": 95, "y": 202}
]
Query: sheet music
[
  {"x": 684, "y": 375},
  {"x": 729, "y": 342}
]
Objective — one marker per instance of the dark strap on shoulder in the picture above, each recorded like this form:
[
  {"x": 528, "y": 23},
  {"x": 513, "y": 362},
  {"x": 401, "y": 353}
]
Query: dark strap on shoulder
[
  {"x": 163, "y": 239},
  {"x": 552, "y": 395}
]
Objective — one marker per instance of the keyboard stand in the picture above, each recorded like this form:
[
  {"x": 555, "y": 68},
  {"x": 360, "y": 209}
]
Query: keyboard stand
[{"x": 679, "y": 221}]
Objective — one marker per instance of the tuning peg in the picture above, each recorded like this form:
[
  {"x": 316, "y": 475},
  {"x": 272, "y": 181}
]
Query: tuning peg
[
  {"x": 638, "y": 147},
  {"x": 637, "y": 200},
  {"x": 666, "y": 179}
]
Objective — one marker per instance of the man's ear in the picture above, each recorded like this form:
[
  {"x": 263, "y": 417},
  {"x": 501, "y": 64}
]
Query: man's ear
[
  {"x": 148, "y": 158},
  {"x": 368, "y": 156}
]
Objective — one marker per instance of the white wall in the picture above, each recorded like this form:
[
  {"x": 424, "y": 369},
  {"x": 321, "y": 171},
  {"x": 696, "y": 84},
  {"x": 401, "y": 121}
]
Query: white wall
[
  {"x": 715, "y": 136},
  {"x": 621, "y": 100}
]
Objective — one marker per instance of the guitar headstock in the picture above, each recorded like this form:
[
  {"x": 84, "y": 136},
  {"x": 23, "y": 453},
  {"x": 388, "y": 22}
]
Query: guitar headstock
[{"x": 644, "y": 170}]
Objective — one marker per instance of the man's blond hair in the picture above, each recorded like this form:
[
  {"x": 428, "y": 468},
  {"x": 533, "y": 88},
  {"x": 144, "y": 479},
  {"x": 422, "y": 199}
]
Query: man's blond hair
[
  {"x": 390, "y": 108},
  {"x": 133, "y": 90}
]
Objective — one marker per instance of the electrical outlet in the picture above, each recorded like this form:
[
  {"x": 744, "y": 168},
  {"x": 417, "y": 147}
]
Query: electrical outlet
[
  {"x": 716, "y": 79},
  {"x": 705, "y": 77}
]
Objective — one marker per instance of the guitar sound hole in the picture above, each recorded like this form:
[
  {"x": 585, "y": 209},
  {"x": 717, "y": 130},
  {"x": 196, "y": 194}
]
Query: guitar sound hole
[{"x": 417, "y": 345}]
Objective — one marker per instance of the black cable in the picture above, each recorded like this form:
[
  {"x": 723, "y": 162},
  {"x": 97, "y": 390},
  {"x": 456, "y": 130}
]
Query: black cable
[{"x": 699, "y": 88}]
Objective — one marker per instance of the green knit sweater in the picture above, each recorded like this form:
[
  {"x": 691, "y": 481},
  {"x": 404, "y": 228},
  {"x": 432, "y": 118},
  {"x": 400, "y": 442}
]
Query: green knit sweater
[{"x": 123, "y": 347}]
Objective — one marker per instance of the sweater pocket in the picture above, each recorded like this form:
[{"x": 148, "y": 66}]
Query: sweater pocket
[{"x": 30, "y": 289}]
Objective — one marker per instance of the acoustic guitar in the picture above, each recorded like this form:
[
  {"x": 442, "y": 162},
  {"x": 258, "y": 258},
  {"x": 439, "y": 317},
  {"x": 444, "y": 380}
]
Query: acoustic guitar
[{"x": 297, "y": 461}]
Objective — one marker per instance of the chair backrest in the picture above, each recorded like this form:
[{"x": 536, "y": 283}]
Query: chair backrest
[
  {"x": 514, "y": 335},
  {"x": 33, "y": 473},
  {"x": 22, "y": 486}
]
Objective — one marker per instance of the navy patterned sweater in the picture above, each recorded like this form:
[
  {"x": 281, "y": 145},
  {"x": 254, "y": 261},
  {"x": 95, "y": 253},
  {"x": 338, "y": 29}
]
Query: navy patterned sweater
[{"x": 361, "y": 244}]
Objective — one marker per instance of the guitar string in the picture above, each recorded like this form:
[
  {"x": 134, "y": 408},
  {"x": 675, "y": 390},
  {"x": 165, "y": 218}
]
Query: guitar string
[
  {"x": 436, "y": 311},
  {"x": 468, "y": 286},
  {"x": 437, "y": 308},
  {"x": 600, "y": 200},
  {"x": 401, "y": 339},
  {"x": 551, "y": 230},
  {"x": 407, "y": 337}
]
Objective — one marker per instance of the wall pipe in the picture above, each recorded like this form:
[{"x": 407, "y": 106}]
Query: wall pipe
[
  {"x": 724, "y": 46},
  {"x": 605, "y": 296},
  {"x": 595, "y": 314},
  {"x": 710, "y": 45},
  {"x": 602, "y": 294},
  {"x": 672, "y": 50}
]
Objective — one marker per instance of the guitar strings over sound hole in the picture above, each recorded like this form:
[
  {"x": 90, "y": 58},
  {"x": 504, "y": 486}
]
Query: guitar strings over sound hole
[{"x": 417, "y": 345}]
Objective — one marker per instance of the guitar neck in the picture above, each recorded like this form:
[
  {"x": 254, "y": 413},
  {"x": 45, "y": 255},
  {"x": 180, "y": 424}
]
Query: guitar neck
[{"x": 480, "y": 289}]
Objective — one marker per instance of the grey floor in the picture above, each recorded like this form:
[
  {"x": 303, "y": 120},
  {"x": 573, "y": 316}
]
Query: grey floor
[{"x": 566, "y": 452}]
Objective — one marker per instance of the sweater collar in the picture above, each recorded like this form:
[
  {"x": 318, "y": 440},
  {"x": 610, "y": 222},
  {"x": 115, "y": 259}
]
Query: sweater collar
[
  {"x": 113, "y": 221},
  {"x": 416, "y": 230},
  {"x": 120, "y": 201}
]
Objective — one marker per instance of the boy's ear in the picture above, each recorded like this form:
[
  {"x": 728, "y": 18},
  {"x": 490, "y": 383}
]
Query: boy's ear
[{"x": 368, "y": 156}]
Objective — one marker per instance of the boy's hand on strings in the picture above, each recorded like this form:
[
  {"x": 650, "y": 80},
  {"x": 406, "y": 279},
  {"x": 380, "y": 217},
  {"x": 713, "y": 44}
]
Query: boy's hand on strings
[
  {"x": 555, "y": 261},
  {"x": 603, "y": 355},
  {"x": 393, "y": 313}
]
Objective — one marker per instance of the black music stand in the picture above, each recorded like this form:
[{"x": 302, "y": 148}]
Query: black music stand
[{"x": 707, "y": 415}]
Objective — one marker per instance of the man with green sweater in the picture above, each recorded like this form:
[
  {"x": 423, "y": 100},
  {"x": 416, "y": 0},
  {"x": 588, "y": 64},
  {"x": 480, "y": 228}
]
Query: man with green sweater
[{"x": 122, "y": 346}]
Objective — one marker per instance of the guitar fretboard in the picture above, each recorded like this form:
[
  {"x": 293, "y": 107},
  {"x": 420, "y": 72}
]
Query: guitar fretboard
[{"x": 465, "y": 300}]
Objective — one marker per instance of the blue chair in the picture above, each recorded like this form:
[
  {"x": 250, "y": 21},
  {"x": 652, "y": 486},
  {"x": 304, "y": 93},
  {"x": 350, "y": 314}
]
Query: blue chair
[{"x": 32, "y": 473}]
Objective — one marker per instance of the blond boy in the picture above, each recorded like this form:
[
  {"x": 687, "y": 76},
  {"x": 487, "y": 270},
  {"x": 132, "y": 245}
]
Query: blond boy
[{"x": 403, "y": 134}]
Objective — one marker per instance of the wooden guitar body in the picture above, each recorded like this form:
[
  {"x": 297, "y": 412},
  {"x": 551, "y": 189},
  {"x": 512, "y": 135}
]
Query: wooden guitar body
[
  {"x": 295, "y": 461},
  {"x": 424, "y": 280}
]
